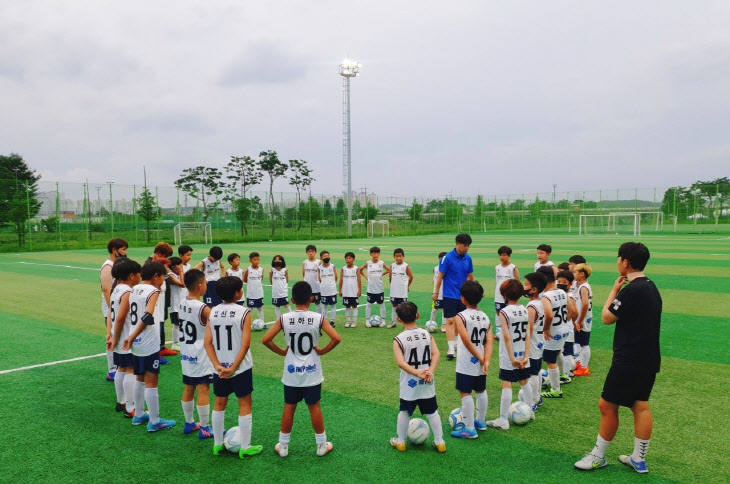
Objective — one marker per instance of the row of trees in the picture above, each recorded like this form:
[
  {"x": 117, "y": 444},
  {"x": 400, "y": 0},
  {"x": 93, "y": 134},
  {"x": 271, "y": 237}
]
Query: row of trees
[
  {"x": 700, "y": 197},
  {"x": 18, "y": 193}
]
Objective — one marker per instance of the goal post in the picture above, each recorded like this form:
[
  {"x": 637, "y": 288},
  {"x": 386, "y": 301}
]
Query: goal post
[
  {"x": 378, "y": 228},
  {"x": 648, "y": 220},
  {"x": 609, "y": 223},
  {"x": 193, "y": 233}
]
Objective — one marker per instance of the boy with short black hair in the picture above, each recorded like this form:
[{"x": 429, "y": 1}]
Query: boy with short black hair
[
  {"x": 566, "y": 360},
  {"x": 417, "y": 355},
  {"x": 557, "y": 317},
  {"x": 543, "y": 258},
  {"x": 534, "y": 285},
  {"x": 302, "y": 376},
  {"x": 227, "y": 342},
  {"x": 254, "y": 279},
  {"x": 235, "y": 271},
  {"x": 373, "y": 271},
  {"x": 117, "y": 248},
  {"x": 327, "y": 273},
  {"x": 504, "y": 271},
  {"x": 310, "y": 273},
  {"x": 401, "y": 278},
  {"x": 438, "y": 303},
  {"x": 213, "y": 269},
  {"x": 350, "y": 289},
  {"x": 584, "y": 323}
]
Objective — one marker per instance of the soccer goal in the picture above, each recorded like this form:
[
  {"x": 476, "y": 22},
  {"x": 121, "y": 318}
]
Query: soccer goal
[
  {"x": 193, "y": 233},
  {"x": 648, "y": 220},
  {"x": 609, "y": 223},
  {"x": 378, "y": 228}
]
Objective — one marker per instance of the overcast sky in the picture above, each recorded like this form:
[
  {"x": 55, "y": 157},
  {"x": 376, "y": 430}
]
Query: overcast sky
[{"x": 455, "y": 97}]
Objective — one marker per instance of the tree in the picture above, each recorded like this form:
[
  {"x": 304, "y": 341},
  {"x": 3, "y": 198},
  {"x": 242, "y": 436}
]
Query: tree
[
  {"x": 202, "y": 183},
  {"x": 300, "y": 178},
  {"x": 369, "y": 213},
  {"x": 243, "y": 173},
  {"x": 327, "y": 211},
  {"x": 18, "y": 192},
  {"x": 270, "y": 163},
  {"x": 416, "y": 211},
  {"x": 310, "y": 211},
  {"x": 148, "y": 209},
  {"x": 452, "y": 210},
  {"x": 536, "y": 208},
  {"x": 479, "y": 208}
]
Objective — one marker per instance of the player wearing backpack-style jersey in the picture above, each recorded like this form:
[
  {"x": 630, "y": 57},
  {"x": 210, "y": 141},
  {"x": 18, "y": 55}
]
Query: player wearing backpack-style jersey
[{"x": 401, "y": 278}]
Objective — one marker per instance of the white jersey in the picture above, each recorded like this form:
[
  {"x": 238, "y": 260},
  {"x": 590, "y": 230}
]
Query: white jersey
[
  {"x": 104, "y": 306},
  {"x": 559, "y": 327},
  {"x": 477, "y": 326},
  {"x": 159, "y": 313},
  {"x": 226, "y": 324},
  {"x": 349, "y": 281},
  {"x": 502, "y": 273},
  {"x": 537, "y": 340},
  {"x": 588, "y": 321},
  {"x": 115, "y": 302},
  {"x": 193, "y": 358},
  {"x": 279, "y": 285},
  {"x": 435, "y": 278},
  {"x": 574, "y": 288},
  {"x": 302, "y": 365},
  {"x": 571, "y": 324},
  {"x": 311, "y": 274},
  {"x": 375, "y": 277},
  {"x": 148, "y": 341},
  {"x": 211, "y": 269},
  {"x": 255, "y": 284},
  {"x": 416, "y": 346},
  {"x": 399, "y": 280},
  {"x": 177, "y": 294},
  {"x": 547, "y": 264},
  {"x": 517, "y": 324},
  {"x": 327, "y": 286},
  {"x": 237, "y": 273}
]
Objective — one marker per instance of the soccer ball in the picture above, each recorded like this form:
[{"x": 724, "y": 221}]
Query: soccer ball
[
  {"x": 258, "y": 324},
  {"x": 232, "y": 439},
  {"x": 374, "y": 322},
  {"x": 418, "y": 431},
  {"x": 455, "y": 418},
  {"x": 520, "y": 413},
  {"x": 431, "y": 326},
  {"x": 544, "y": 381}
]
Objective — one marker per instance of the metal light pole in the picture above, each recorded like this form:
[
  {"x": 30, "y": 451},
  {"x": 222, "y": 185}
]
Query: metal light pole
[{"x": 348, "y": 69}]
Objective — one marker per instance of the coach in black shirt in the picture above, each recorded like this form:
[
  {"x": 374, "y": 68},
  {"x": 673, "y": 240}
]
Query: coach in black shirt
[{"x": 636, "y": 309}]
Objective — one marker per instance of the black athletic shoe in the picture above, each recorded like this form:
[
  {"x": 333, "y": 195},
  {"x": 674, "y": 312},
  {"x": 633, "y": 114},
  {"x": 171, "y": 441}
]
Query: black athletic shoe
[{"x": 120, "y": 407}]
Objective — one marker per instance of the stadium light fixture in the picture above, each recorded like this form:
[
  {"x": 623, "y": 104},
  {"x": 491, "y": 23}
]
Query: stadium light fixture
[{"x": 348, "y": 69}]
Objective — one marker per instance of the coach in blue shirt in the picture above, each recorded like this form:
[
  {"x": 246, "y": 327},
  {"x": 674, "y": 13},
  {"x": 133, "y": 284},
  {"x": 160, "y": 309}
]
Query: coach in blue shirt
[{"x": 454, "y": 269}]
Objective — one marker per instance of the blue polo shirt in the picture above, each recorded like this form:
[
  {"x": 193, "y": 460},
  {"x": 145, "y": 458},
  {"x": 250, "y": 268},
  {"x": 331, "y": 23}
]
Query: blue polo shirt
[{"x": 455, "y": 268}]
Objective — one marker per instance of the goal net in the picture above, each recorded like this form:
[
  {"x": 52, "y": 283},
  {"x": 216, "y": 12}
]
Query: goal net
[
  {"x": 378, "y": 228},
  {"x": 649, "y": 221},
  {"x": 609, "y": 224},
  {"x": 193, "y": 233}
]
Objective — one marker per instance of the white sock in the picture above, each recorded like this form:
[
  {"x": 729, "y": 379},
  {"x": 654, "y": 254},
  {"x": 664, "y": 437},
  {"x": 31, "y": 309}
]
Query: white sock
[
  {"x": 368, "y": 309},
  {"x": 576, "y": 353},
  {"x": 527, "y": 392},
  {"x": 175, "y": 334},
  {"x": 333, "y": 312},
  {"x": 601, "y": 446},
  {"x": 110, "y": 361},
  {"x": 382, "y": 312},
  {"x": 321, "y": 439},
  {"x": 640, "y": 448},
  {"x": 467, "y": 411},
  {"x": 347, "y": 314},
  {"x": 443, "y": 319},
  {"x": 284, "y": 439},
  {"x": 219, "y": 419},
  {"x": 452, "y": 345},
  {"x": 482, "y": 402},
  {"x": 585, "y": 356},
  {"x": 438, "y": 430},
  {"x": 129, "y": 380},
  {"x": 323, "y": 310},
  {"x": 245, "y": 423},
  {"x": 119, "y": 386},
  {"x": 138, "y": 398},
  {"x": 393, "y": 316},
  {"x": 403, "y": 420},
  {"x": 152, "y": 397},
  {"x": 260, "y": 312},
  {"x": 353, "y": 314},
  {"x": 188, "y": 411},
  {"x": 433, "y": 314},
  {"x": 568, "y": 364},
  {"x": 505, "y": 402},
  {"x": 277, "y": 310},
  {"x": 204, "y": 415},
  {"x": 554, "y": 377},
  {"x": 561, "y": 363},
  {"x": 535, "y": 383}
]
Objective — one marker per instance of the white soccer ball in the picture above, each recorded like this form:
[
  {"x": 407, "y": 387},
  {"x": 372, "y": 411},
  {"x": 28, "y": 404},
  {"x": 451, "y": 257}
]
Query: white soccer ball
[
  {"x": 375, "y": 322},
  {"x": 544, "y": 381},
  {"x": 232, "y": 439},
  {"x": 418, "y": 431},
  {"x": 432, "y": 326},
  {"x": 258, "y": 324},
  {"x": 455, "y": 418},
  {"x": 520, "y": 413}
]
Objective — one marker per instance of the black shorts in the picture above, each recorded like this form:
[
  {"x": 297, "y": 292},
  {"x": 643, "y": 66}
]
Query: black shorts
[
  {"x": 255, "y": 303},
  {"x": 469, "y": 383},
  {"x": 329, "y": 300},
  {"x": 376, "y": 298},
  {"x": 397, "y": 301},
  {"x": 514, "y": 375},
  {"x": 625, "y": 386},
  {"x": 211, "y": 297},
  {"x": 350, "y": 302},
  {"x": 146, "y": 364},
  {"x": 241, "y": 385},
  {"x": 197, "y": 380},
  {"x": 279, "y": 302},
  {"x": 317, "y": 298},
  {"x": 310, "y": 395},
  {"x": 535, "y": 366},
  {"x": 438, "y": 304},
  {"x": 550, "y": 356},
  {"x": 499, "y": 306},
  {"x": 175, "y": 320},
  {"x": 568, "y": 348},
  {"x": 123, "y": 360},
  {"x": 426, "y": 406},
  {"x": 583, "y": 338},
  {"x": 241, "y": 303},
  {"x": 452, "y": 307}
]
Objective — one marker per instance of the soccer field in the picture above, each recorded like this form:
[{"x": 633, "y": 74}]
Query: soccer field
[{"x": 60, "y": 422}]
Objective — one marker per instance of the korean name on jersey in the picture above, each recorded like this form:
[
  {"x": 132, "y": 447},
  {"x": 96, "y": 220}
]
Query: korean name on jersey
[
  {"x": 349, "y": 281},
  {"x": 311, "y": 274},
  {"x": 226, "y": 324},
  {"x": 517, "y": 325},
  {"x": 537, "y": 340},
  {"x": 559, "y": 327},
  {"x": 375, "y": 277},
  {"x": 193, "y": 357},
  {"x": 327, "y": 286},
  {"x": 399, "y": 280},
  {"x": 477, "y": 326},
  {"x": 302, "y": 365},
  {"x": 114, "y": 303},
  {"x": 416, "y": 346},
  {"x": 148, "y": 341}
]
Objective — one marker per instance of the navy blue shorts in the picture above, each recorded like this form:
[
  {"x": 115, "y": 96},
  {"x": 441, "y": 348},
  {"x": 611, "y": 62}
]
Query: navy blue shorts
[
  {"x": 376, "y": 298},
  {"x": 438, "y": 304},
  {"x": 350, "y": 302},
  {"x": 499, "y": 306},
  {"x": 397, "y": 301},
  {"x": 146, "y": 364},
  {"x": 255, "y": 303},
  {"x": 211, "y": 297},
  {"x": 426, "y": 406},
  {"x": 568, "y": 348},
  {"x": 317, "y": 298},
  {"x": 240, "y": 303},
  {"x": 123, "y": 360},
  {"x": 514, "y": 375},
  {"x": 550, "y": 356},
  {"x": 198, "y": 380},
  {"x": 329, "y": 300},
  {"x": 174, "y": 319},
  {"x": 279, "y": 301},
  {"x": 535, "y": 366},
  {"x": 310, "y": 395},
  {"x": 469, "y": 383},
  {"x": 626, "y": 386},
  {"x": 583, "y": 338},
  {"x": 452, "y": 307},
  {"x": 241, "y": 385}
]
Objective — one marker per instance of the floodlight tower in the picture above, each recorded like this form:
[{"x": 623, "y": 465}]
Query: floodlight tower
[{"x": 348, "y": 69}]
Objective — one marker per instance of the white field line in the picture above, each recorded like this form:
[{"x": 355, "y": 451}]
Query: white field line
[{"x": 58, "y": 265}]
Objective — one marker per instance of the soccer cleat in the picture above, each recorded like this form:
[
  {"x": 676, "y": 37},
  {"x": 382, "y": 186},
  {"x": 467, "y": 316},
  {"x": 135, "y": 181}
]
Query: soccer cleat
[
  {"x": 110, "y": 376},
  {"x": 540, "y": 402},
  {"x": 190, "y": 427},
  {"x": 535, "y": 408},
  {"x": 281, "y": 449},
  {"x": 479, "y": 425},
  {"x": 175, "y": 347},
  {"x": 253, "y": 450},
  {"x": 205, "y": 433},
  {"x": 142, "y": 419},
  {"x": 218, "y": 448},
  {"x": 578, "y": 366},
  {"x": 367, "y": 324},
  {"x": 583, "y": 372},
  {"x": 450, "y": 355},
  {"x": 441, "y": 447},
  {"x": 465, "y": 433},
  {"x": 332, "y": 323},
  {"x": 499, "y": 423},
  {"x": 552, "y": 393},
  {"x": 401, "y": 446},
  {"x": 128, "y": 414},
  {"x": 161, "y": 424},
  {"x": 353, "y": 325},
  {"x": 324, "y": 449},
  {"x": 639, "y": 467},
  {"x": 168, "y": 352},
  {"x": 120, "y": 407},
  {"x": 571, "y": 374},
  {"x": 391, "y": 326},
  {"x": 498, "y": 332},
  {"x": 164, "y": 361},
  {"x": 347, "y": 324},
  {"x": 590, "y": 462},
  {"x": 564, "y": 378}
]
